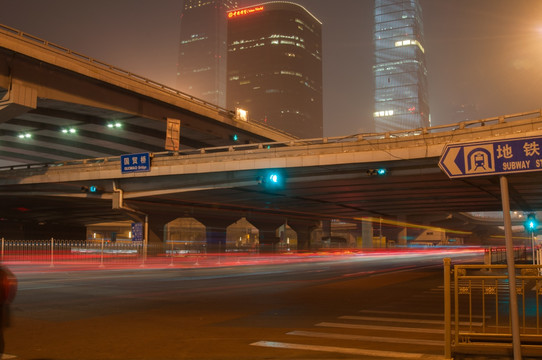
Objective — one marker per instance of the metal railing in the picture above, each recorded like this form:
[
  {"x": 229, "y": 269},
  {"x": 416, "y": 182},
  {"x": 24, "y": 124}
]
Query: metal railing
[
  {"x": 477, "y": 309},
  {"x": 81, "y": 57},
  {"x": 497, "y": 255}
]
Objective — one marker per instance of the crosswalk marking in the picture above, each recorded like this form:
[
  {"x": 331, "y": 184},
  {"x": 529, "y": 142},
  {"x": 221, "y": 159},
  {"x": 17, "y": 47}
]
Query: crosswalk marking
[
  {"x": 350, "y": 351},
  {"x": 404, "y": 320},
  {"x": 399, "y": 313},
  {"x": 388, "y": 319},
  {"x": 379, "y": 327},
  {"x": 368, "y": 338},
  {"x": 429, "y": 326}
]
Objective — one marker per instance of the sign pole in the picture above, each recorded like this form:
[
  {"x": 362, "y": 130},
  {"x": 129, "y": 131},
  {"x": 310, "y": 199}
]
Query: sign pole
[
  {"x": 532, "y": 247},
  {"x": 516, "y": 341}
]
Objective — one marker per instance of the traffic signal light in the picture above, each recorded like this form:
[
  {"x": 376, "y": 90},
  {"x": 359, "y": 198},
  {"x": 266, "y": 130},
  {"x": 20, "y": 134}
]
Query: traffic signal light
[
  {"x": 93, "y": 189},
  {"x": 272, "y": 178},
  {"x": 531, "y": 224},
  {"x": 377, "y": 172},
  {"x": 235, "y": 137}
]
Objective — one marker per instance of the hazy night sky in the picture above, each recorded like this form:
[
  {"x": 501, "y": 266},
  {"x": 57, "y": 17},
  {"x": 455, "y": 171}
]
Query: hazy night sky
[{"x": 485, "y": 54}]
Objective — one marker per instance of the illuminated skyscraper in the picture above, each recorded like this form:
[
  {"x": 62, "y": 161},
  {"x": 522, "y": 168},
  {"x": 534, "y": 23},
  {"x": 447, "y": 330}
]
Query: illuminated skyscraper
[
  {"x": 201, "y": 70},
  {"x": 275, "y": 67},
  {"x": 400, "y": 73}
]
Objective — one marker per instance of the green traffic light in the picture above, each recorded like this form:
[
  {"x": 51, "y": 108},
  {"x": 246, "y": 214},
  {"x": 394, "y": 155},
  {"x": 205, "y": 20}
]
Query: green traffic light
[
  {"x": 531, "y": 224},
  {"x": 379, "y": 172}
]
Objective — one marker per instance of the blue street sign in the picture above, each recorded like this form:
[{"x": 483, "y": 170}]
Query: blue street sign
[
  {"x": 135, "y": 163},
  {"x": 510, "y": 156},
  {"x": 137, "y": 231}
]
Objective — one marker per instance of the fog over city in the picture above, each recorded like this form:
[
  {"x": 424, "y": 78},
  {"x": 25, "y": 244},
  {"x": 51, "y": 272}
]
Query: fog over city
[{"x": 482, "y": 55}]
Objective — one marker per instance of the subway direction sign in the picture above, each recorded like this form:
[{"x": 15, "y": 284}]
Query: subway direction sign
[
  {"x": 516, "y": 155},
  {"x": 135, "y": 163}
]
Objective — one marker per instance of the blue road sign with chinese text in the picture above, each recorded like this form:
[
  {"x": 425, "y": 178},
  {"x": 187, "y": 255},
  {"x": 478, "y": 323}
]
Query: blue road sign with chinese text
[
  {"x": 510, "y": 156},
  {"x": 137, "y": 231},
  {"x": 135, "y": 163}
]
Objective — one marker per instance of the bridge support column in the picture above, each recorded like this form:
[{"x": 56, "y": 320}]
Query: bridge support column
[
  {"x": 402, "y": 236},
  {"x": 267, "y": 232},
  {"x": 326, "y": 228},
  {"x": 215, "y": 230},
  {"x": 304, "y": 231},
  {"x": 156, "y": 228},
  {"x": 366, "y": 234}
]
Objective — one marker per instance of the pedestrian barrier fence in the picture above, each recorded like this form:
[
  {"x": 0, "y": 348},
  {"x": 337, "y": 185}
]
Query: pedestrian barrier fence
[
  {"x": 497, "y": 255},
  {"x": 477, "y": 309},
  {"x": 103, "y": 253}
]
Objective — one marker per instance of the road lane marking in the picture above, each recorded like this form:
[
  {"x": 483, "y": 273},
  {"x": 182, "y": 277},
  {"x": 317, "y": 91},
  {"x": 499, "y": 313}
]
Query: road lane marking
[
  {"x": 350, "y": 351},
  {"x": 404, "y": 320},
  {"x": 368, "y": 338},
  {"x": 411, "y": 313},
  {"x": 378, "y": 327},
  {"x": 399, "y": 313}
]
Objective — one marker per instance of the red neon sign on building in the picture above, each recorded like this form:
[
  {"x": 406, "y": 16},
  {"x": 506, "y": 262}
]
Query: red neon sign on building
[{"x": 242, "y": 12}]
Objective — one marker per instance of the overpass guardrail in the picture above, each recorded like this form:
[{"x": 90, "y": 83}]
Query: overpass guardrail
[
  {"x": 403, "y": 135},
  {"x": 58, "y": 48}
]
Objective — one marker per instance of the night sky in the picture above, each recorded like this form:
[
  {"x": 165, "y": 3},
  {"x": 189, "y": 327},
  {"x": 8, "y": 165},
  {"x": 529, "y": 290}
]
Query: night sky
[{"x": 483, "y": 56}]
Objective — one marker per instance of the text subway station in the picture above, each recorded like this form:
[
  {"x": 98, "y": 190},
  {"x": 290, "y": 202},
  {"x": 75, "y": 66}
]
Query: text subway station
[{"x": 491, "y": 158}]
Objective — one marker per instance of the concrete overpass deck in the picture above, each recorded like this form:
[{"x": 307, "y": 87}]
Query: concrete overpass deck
[{"x": 323, "y": 179}]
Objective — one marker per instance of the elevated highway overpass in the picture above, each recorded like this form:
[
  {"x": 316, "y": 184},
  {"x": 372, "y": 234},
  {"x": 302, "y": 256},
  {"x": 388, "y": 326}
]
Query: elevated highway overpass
[
  {"x": 47, "y": 90},
  {"x": 56, "y": 104},
  {"x": 326, "y": 178}
]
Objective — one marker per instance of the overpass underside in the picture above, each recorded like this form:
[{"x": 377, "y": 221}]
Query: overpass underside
[{"x": 322, "y": 180}]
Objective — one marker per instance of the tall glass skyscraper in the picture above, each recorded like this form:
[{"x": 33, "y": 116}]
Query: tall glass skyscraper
[
  {"x": 201, "y": 69},
  {"x": 400, "y": 73},
  {"x": 275, "y": 66}
]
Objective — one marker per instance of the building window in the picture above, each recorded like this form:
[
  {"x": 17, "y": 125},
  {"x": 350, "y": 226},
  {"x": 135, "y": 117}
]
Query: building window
[
  {"x": 383, "y": 113},
  {"x": 408, "y": 43}
]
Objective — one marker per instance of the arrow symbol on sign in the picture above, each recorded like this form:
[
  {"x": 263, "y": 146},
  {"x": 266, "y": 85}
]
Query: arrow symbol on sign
[{"x": 448, "y": 164}]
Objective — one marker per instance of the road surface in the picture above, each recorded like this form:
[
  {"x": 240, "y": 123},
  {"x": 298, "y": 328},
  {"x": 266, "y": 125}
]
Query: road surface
[{"x": 383, "y": 306}]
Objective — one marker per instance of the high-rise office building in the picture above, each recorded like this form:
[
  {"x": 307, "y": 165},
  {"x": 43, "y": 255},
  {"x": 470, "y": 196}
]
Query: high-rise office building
[
  {"x": 275, "y": 67},
  {"x": 201, "y": 70},
  {"x": 400, "y": 73}
]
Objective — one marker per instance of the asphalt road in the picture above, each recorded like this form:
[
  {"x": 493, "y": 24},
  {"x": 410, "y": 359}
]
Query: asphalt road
[{"x": 347, "y": 307}]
